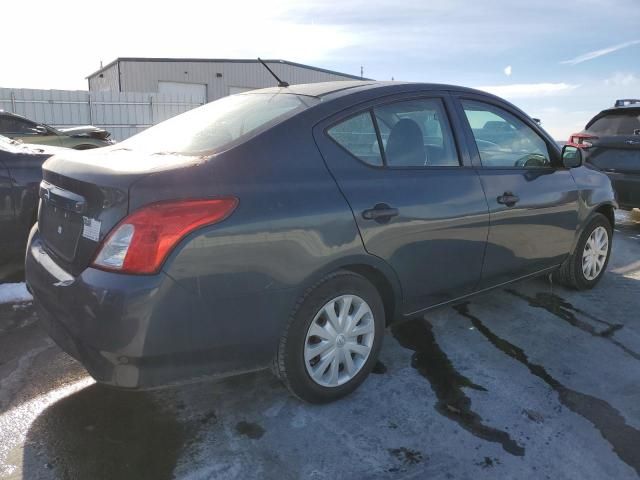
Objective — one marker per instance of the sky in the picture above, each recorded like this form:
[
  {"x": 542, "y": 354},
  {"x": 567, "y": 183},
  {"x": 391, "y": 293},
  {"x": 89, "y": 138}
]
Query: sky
[{"x": 559, "y": 60}]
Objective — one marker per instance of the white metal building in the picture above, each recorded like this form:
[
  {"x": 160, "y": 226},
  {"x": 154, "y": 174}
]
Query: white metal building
[{"x": 204, "y": 80}]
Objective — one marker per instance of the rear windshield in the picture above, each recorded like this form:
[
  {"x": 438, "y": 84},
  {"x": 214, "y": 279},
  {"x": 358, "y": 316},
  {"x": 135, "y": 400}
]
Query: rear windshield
[
  {"x": 623, "y": 123},
  {"x": 218, "y": 124}
]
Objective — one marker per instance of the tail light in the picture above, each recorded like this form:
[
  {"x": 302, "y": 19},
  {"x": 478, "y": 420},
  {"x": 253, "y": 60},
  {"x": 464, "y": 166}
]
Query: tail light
[
  {"x": 581, "y": 140},
  {"x": 141, "y": 242}
]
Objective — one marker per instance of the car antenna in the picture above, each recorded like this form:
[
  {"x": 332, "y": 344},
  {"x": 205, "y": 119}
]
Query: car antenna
[{"x": 280, "y": 82}]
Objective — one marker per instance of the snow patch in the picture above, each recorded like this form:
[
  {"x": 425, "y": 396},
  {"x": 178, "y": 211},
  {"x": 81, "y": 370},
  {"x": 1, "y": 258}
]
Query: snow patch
[{"x": 14, "y": 293}]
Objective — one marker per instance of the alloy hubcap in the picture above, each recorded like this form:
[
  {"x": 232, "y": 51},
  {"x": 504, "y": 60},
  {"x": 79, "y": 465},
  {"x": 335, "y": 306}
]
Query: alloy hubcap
[
  {"x": 595, "y": 253},
  {"x": 339, "y": 341}
]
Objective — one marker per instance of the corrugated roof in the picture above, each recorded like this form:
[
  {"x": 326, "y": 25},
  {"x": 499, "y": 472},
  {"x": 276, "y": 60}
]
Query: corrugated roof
[
  {"x": 221, "y": 60},
  {"x": 318, "y": 89}
]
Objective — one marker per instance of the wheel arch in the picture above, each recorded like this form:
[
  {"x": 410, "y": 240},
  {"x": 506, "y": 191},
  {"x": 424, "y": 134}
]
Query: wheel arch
[
  {"x": 380, "y": 281},
  {"x": 378, "y": 273},
  {"x": 608, "y": 211},
  {"x": 605, "y": 208}
]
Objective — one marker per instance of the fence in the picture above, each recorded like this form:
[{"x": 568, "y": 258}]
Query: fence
[{"x": 123, "y": 114}]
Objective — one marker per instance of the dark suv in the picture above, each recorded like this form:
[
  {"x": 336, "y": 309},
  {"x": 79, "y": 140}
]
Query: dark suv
[
  {"x": 289, "y": 226},
  {"x": 611, "y": 143}
]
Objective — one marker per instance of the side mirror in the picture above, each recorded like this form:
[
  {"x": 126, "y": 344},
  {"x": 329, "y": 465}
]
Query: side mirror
[
  {"x": 571, "y": 156},
  {"x": 40, "y": 130}
]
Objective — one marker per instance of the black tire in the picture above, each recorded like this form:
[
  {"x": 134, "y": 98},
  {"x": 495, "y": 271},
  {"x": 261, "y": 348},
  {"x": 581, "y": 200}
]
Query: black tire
[
  {"x": 570, "y": 273},
  {"x": 289, "y": 362}
]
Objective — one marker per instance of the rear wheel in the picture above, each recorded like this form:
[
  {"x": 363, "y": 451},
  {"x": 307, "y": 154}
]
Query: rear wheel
[
  {"x": 585, "y": 267},
  {"x": 332, "y": 340}
]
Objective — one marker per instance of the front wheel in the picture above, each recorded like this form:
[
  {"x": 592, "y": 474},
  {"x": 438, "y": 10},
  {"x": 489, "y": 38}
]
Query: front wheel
[
  {"x": 586, "y": 265},
  {"x": 333, "y": 338}
]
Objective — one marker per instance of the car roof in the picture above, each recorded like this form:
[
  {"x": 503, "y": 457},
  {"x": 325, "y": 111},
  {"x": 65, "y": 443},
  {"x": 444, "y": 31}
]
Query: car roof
[
  {"x": 345, "y": 87},
  {"x": 619, "y": 109},
  {"x": 11, "y": 114},
  {"x": 370, "y": 89},
  {"x": 613, "y": 111}
]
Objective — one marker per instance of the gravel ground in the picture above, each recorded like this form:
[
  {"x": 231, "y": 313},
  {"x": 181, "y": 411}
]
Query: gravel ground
[{"x": 532, "y": 381}]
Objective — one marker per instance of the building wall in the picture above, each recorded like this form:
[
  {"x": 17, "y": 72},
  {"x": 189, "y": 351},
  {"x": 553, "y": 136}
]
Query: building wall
[
  {"x": 108, "y": 81},
  {"x": 219, "y": 76}
]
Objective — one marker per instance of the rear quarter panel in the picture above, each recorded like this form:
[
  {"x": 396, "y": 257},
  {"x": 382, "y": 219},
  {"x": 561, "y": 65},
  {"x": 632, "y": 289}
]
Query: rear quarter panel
[{"x": 292, "y": 226}]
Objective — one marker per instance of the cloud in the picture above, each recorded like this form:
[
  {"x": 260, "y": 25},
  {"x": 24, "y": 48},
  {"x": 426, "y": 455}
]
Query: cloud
[
  {"x": 508, "y": 70},
  {"x": 599, "y": 53},
  {"x": 529, "y": 90},
  {"x": 622, "y": 80}
]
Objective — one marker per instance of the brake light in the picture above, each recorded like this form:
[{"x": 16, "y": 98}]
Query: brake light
[
  {"x": 581, "y": 140},
  {"x": 141, "y": 242}
]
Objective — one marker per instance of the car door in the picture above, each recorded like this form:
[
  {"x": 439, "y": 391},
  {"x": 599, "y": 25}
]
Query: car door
[
  {"x": 533, "y": 199},
  {"x": 416, "y": 198}
]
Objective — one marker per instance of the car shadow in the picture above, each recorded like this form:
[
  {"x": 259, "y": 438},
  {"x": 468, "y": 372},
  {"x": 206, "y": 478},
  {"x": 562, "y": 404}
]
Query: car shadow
[{"x": 99, "y": 432}]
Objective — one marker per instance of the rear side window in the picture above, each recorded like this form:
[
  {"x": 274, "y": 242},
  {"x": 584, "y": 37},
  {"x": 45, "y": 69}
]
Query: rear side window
[
  {"x": 503, "y": 140},
  {"x": 623, "y": 123},
  {"x": 416, "y": 133},
  {"x": 358, "y": 136}
]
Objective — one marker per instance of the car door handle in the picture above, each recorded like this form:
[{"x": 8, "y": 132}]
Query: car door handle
[
  {"x": 380, "y": 213},
  {"x": 508, "y": 199}
]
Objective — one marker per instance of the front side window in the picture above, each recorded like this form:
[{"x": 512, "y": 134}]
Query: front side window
[
  {"x": 358, "y": 136},
  {"x": 503, "y": 140},
  {"x": 416, "y": 133}
]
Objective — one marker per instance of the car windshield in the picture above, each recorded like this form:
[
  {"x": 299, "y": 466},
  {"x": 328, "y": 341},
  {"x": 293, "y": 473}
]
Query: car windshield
[
  {"x": 216, "y": 125},
  {"x": 623, "y": 123}
]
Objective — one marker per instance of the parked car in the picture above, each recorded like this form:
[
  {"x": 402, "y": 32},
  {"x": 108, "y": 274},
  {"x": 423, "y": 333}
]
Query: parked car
[
  {"x": 20, "y": 176},
  {"x": 80, "y": 138},
  {"x": 289, "y": 226},
  {"x": 611, "y": 144}
]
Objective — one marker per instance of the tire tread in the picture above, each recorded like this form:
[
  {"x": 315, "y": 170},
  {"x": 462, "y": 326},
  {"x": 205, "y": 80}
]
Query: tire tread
[{"x": 278, "y": 363}]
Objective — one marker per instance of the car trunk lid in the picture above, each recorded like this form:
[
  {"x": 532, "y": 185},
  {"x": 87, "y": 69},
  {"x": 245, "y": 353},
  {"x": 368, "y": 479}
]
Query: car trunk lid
[{"x": 83, "y": 195}]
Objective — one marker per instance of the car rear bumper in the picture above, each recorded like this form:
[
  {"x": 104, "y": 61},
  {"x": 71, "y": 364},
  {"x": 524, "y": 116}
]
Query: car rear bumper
[
  {"x": 147, "y": 331},
  {"x": 627, "y": 187}
]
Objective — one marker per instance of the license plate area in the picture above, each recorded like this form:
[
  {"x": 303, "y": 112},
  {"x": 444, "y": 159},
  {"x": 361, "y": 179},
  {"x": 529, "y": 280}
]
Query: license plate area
[{"x": 61, "y": 230}]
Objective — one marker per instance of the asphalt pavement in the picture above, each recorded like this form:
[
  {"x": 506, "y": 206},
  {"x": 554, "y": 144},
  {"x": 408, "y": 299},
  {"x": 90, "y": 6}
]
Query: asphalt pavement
[{"x": 530, "y": 381}]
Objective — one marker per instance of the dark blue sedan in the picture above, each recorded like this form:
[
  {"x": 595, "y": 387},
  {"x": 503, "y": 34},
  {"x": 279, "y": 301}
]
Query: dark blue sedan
[{"x": 287, "y": 227}]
